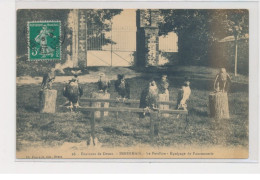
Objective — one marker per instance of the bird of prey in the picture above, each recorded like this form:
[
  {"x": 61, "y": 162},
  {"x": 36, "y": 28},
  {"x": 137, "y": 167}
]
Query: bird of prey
[
  {"x": 103, "y": 83},
  {"x": 222, "y": 81},
  {"x": 149, "y": 98},
  {"x": 122, "y": 87},
  {"x": 73, "y": 91},
  {"x": 48, "y": 79},
  {"x": 76, "y": 74},
  {"x": 164, "y": 85},
  {"x": 183, "y": 95}
]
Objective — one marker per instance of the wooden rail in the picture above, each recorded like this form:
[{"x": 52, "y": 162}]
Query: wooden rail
[
  {"x": 132, "y": 101},
  {"x": 137, "y": 110},
  {"x": 154, "y": 114},
  {"x": 154, "y": 125}
]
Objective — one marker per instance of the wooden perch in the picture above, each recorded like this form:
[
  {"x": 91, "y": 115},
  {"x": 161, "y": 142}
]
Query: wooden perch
[
  {"x": 105, "y": 104},
  {"x": 218, "y": 105},
  {"x": 127, "y": 101},
  {"x": 48, "y": 101},
  {"x": 164, "y": 97},
  {"x": 126, "y": 109}
]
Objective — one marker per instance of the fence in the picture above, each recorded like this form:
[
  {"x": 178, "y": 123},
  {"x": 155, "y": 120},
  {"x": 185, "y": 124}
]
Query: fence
[
  {"x": 111, "y": 47},
  {"x": 116, "y": 45},
  {"x": 154, "y": 114}
]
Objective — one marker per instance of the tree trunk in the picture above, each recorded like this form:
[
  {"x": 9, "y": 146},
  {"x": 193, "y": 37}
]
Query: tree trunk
[
  {"x": 98, "y": 95},
  {"x": 48, "y": 101},
  {"x": 164, "y": 97},
  {"x": 236, "y": 55},
  {"x": 218, "y": 105}
]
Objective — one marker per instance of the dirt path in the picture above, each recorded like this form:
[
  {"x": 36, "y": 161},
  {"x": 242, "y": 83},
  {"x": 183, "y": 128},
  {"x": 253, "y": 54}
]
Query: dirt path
[
  {"x": 93, "y": 76},
  {"x": 195, "y": 72}
]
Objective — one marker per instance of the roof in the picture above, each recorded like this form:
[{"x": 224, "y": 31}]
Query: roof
[{"x": 232, "y": 38}]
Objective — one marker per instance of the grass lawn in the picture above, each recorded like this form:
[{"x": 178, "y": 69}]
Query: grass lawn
[{"x": 34, "y": 129}]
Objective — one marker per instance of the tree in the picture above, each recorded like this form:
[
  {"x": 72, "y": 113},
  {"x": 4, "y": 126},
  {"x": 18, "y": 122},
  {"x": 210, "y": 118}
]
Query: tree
[
  {"x": 99, "y": 22},
  {"x": 199, "y": 30},
  {"x": 237, "y": 24},
  {"x": 95, "y": 18},
  {"x": 25, "y": 15}
]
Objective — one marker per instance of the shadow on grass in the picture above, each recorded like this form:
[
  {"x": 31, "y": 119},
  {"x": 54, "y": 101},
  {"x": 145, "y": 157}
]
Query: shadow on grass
[
  {"x": 64, "y": 126},
  {"x": 32, "y": 108},
  {"x": 198, "y": 112}
]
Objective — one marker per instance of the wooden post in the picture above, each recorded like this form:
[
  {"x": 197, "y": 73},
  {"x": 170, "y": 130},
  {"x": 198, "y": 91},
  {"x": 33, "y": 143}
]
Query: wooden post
[
  {"x": 151, "y": 127},
  {"x": 48, "y": 101},
  {"x": 187, "y": 122},
  {"x": 116, "y": 115},
  {"x": 235, "y": 55},
  {"x": 93, "y": 125},
  {"x": 106, "y": 104},
  {"x": 100, "y": 95},
  {"x": 218, "y": 105},
  {"x": 154, "y": 126},
  {"x": 82, "y": 38},
  {"x": 164, "y": 97}
]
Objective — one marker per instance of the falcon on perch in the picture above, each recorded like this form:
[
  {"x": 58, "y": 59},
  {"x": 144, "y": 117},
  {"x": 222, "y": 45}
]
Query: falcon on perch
[
  {"x": 149, "y": 98},
  {"x": 222, "y": 81},
  {"x": 73, "y": 91},
  {"x": 183, "y": 95},
  {"x": 76, "y": 74},
  {"x": 103, "y": 83},
  {"x": 164, "y": 85},
  {"x": 122, "y": 87},
  {"x": 49, "y": 77}
]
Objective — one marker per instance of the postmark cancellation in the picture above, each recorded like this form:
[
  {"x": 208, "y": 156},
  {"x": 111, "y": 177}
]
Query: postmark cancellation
[{"x": 44, "y": 40}]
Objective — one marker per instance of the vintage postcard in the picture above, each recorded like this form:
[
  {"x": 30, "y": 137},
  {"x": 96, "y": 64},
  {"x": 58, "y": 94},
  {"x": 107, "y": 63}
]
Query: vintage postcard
[{"x": 132, "y": 84}]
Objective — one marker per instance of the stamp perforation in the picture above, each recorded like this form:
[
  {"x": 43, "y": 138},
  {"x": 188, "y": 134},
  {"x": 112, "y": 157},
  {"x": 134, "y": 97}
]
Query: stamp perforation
[{"x": 28, "y": 40}]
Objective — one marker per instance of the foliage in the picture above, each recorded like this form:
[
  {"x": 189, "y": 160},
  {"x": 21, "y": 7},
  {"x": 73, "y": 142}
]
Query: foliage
[
  {"x": 95, "y": 18},
  {"x": 25, "y": 67},
  {"x": 23, "y": 16},
  {"x": 99, "y": 22},
  {"x": 199, "y": 30}
]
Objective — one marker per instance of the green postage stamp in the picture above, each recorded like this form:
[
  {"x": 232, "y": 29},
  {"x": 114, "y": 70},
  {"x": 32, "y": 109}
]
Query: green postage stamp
[{"x": 44, "y": 40}]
